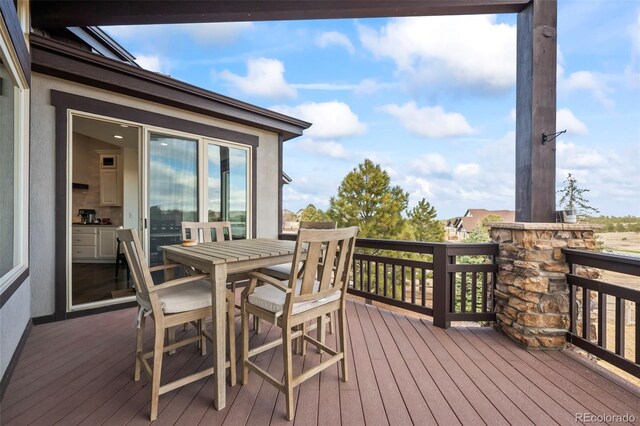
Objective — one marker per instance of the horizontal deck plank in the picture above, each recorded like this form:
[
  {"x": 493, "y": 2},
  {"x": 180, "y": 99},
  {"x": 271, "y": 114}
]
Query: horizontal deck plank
[{"x": 402, "y": 370}]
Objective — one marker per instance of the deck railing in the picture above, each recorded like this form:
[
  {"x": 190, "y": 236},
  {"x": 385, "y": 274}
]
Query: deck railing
[
  {"x": 447, "y": 281},
  {"x": 589, "y": 296}
]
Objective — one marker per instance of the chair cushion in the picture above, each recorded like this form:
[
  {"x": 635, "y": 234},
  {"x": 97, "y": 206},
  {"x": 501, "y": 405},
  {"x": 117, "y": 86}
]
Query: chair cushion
[
  {"x": 182, "y": 298},
  {"x": 271, "y": 299},
  {"x": 283, "y": 268}
]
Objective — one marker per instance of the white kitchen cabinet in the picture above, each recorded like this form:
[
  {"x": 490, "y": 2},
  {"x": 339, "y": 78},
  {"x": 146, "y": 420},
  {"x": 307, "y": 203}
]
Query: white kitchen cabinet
[
  {"x": 93, "y": 244},
  {"x": 107, "y": 243},
  {"x": 110, "y": 187}
]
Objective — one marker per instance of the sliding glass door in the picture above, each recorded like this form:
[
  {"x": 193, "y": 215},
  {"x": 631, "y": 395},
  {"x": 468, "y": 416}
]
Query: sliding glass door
[
  {"x": 191, "y": 179},
  {"x": 173, "y": 189},
  {"x": 227, "y": 187}
]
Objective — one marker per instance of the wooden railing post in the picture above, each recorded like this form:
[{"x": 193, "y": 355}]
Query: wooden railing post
[{"x": 441, "y": 287}]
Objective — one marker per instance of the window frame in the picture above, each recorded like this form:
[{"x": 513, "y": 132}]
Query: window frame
[{"x": 20, "y": 82}]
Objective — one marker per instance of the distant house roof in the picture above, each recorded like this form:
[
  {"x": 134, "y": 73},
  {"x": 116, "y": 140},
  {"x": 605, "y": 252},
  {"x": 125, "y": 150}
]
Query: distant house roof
[{"x": 473, "y": 217}]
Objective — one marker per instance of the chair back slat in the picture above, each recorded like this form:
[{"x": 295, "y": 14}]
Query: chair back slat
[
  {"x": 308, "y": 224},
  {"x": 203, "y": 231},
  {"x": 138, "y": 265},
  {"x": 328, "y": 259},
  {"x": 314, "y": 250}
]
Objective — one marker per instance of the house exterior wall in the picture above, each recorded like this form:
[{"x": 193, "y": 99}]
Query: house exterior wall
[
  {"x": 15, "y": 312},
  {"x": 43, "y": 166}
]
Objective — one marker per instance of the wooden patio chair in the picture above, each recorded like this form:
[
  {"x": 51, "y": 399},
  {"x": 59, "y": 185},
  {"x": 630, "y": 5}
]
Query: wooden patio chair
[
  {"x": 283, "y": 270},
  {"x": 318, "y": 290},
  {"x": 203, "y": 232},
  {"x": 170, "y": 304}
]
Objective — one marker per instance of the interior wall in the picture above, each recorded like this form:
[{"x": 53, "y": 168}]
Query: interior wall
[
  {"x": 86, "y": 169},
  {"x": 42, "y": 193},
  {"x": 130, "y": 215}
]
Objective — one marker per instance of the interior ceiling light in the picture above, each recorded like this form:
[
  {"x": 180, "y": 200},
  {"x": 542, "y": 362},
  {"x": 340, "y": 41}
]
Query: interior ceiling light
[{"x": 118, "y": 136}]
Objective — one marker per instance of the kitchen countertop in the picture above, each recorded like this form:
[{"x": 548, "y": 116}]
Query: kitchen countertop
[{"x": 93, "y": 224}]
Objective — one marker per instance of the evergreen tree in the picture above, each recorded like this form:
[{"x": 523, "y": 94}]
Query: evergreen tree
[
  {"x": 425, "y": 225},
  {"x": 313, "y": 214},
  {"x": 366, "y": 199},
  {"x": 573, "y": 197}
]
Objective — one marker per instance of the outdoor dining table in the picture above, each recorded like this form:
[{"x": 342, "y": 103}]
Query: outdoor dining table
[{"x": 221, "y": 259}]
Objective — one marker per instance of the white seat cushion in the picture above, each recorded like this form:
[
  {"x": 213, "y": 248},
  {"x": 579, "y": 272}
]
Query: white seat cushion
[
  {"x": 271, "y": 299},
  {"x": 182, "y": 298},
  {"x": 283, "y": 268}
]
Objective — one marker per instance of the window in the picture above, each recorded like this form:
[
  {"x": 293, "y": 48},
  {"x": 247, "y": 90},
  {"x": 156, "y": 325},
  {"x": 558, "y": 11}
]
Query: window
[
  {"x": 13, "y": 164},
  {"x": 195, "y": 179},
  {"x": 7, "y": 172}
]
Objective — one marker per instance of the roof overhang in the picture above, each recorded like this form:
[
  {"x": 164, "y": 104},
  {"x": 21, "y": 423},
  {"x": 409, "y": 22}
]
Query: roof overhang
[
  {"x": 64, "y": 13},
  {"x": 59, "y": 60}
]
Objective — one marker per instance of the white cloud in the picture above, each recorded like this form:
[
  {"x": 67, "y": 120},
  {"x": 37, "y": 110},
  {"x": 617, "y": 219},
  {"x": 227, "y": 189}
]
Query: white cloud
[
  {"x": 572, "y": 156},
  {"x": 632, "y": 71},
  {"x": 330, "y": 120},
  {"x": 364, "y": 87},
  {"x": 467, "y": 51},
  {"x": 265, "y": 77},
  {"x": 335, "y": 38},
  {"x": 217, "y": 33},
  {"x": 566, "y": 120},
  {"x": 466, "y": 169},
  {"x": 589, "y": 81},
  {"x": 153, "y": 63},
  {"x": 429, "y": 122},
  {"x": 325, "y": 148},
  {"x": 429, "y": 164}
]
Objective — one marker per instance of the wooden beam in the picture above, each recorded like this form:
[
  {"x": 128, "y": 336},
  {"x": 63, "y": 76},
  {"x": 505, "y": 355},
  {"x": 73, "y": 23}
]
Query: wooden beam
[
  {"x": 63, "y": 13},
  {"x": 536, "y": 112}
]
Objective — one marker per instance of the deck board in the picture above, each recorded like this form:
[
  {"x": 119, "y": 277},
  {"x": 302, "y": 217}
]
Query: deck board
[{"x": 402, "y": 370}]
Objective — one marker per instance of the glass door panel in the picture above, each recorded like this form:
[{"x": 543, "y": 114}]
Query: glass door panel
[
  {"x": 227, "y": 187},
  {"x": 173, "y": 189}
]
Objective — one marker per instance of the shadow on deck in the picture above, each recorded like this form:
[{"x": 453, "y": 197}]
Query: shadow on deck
[{"x": 403, "y": 371}]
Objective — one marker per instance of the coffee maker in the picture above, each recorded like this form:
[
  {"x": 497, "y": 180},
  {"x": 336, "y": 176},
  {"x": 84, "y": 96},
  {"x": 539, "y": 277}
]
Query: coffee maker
[{"x": 87, "y": 216}]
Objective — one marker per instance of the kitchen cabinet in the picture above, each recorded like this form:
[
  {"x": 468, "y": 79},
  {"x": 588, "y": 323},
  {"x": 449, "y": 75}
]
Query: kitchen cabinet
[
  {"x": 107, "y": 242},
  {"x": 110, "y": 187},
  {"x": 93, "y": 244}
]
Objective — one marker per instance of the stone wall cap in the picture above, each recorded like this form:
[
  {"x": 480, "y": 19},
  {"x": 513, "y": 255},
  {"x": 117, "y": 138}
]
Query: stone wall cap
[{"x": 545, "y": 226}]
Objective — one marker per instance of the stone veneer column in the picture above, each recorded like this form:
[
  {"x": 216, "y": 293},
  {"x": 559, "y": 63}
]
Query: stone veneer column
[{"x": 532, "y": 295}]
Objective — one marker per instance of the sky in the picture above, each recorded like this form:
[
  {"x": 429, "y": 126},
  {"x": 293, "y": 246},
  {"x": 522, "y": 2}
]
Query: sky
[{"x": 429, "y": 99}]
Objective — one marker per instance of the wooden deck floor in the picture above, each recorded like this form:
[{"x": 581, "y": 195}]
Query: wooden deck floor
[{"x": 402, "y": 371}]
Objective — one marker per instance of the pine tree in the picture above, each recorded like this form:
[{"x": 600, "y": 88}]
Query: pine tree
[
  {"x": 366, "y": 199},
  {"x": 425, "y": 225},
  {"x": 573, "y": 197},
  {"x": 313, "y": 214}
]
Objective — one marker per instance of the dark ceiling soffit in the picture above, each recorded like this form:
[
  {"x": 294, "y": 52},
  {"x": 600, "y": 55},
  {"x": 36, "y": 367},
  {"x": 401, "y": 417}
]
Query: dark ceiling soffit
[
  {"x": 64, "y": 13},
  {"x": 59, "y": 60},
  {"x": 108, "y": 109},
  {"x": 11, "y": 21}
]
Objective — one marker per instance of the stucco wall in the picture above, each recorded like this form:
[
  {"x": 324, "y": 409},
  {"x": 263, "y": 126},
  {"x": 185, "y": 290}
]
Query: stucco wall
[
  {"x": 42, "y": 193},
  {"x": 14, "y": 317}
]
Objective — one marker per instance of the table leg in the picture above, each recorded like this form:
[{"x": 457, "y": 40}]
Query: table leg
[{"x": 218, "y": 328}]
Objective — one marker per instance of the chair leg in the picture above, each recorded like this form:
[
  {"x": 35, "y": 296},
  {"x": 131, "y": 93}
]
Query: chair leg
[
  {"x": 202, "y": 326},
  {"x": 245, "y": 344},
  {"x": 288, "y": 370},
  {"x": 157, "y": 369},
  {"x": 342, "y": 325},
  {"x": 139, "y": 348},
  {"x": 320, "y": 331},
  {"x": 303, "y": 341},
  {"x": 231, "y": 345},
  {"x": 332, "y": 319},
  {"x": 256, "y": 324},
  {"x": 171, "y": 338}
]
